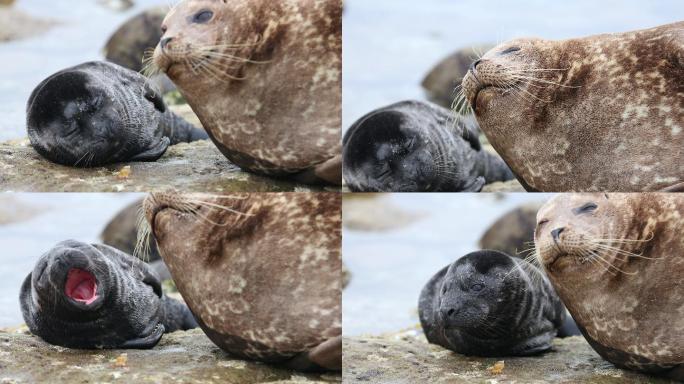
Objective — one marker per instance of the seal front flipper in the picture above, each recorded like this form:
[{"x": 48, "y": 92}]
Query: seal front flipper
[
  {"x": 475, "y": 185},
  {"x": 155, "y": 98},
  {"x": 154, "y": 153},
  {"x": 325, "y": 356},
  {"x": 146, "y": 342}
]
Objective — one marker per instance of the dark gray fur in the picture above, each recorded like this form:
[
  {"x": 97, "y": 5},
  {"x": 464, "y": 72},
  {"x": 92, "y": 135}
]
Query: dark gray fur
[
  {"x": 514, "y": 314},
  {"x": 99, "y": 113},
  {"x": 131, "y": 311},
  {"x": 414, "y": 146}
]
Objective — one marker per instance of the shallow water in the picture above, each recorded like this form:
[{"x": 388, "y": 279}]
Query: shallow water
[
  {"x": 85, "y": 26},
  {"x": 390, "y": 268},
  {"x": 64, "y": 216},
  {"x": 390, "y": 45}
]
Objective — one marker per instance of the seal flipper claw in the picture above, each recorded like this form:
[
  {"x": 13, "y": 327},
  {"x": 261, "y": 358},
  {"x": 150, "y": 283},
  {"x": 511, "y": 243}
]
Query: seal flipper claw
[
  {"x": 330, "y": 170},
  {"x": 154, "y": 153},
  {"x": 146, "y": 342}
]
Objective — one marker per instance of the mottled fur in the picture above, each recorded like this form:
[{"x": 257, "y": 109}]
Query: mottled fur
[
  {"x": 618, "y": 265},
  {"x": 273, "y": 105},
  {"x": 260, "y": 271},
  {"x": 601, "y": 113}
]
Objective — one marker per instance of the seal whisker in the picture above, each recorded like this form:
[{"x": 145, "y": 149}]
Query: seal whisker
[
  {"x": 609, "y": 264},
  {"x": 218, "y": 206},
  {"x": 626, "y": 253}
]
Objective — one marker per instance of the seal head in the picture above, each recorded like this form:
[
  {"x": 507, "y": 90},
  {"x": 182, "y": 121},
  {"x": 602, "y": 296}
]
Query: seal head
[
  {"x": 490, "y": 304},
  {"x": 600, "y": 113},
  {"x": 264, "y": 78},
  {"x": 615, "y": 261}
]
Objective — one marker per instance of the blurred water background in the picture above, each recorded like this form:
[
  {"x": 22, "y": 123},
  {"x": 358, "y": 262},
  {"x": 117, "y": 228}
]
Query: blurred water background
[
  {"x": 390, "y": 45},
  {"x": 83, "y": 28},
  {"x": 32, "y": 223},
  {"x": 389, "y": 268}
]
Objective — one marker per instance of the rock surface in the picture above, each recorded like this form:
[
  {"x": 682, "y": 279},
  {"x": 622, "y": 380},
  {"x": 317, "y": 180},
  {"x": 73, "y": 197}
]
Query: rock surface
[
  {"x": 504, "y": 186},
  {"x": 180, "y": 357},
  {"x": 374, "y": 212},
  {"x": 409, "y": 358}
]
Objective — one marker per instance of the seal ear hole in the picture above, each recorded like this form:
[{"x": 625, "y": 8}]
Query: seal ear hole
[{"x": 476, "y": 287}]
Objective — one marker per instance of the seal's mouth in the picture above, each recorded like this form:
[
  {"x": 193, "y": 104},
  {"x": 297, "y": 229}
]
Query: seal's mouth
[{"x": 81, "y": 286}]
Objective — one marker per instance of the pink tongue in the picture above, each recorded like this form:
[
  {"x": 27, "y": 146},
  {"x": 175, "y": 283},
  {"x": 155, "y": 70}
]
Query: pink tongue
[{"x": 81, "y": 286}]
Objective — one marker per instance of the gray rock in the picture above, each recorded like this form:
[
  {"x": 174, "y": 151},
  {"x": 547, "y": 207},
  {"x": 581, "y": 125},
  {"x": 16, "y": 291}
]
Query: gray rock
[
  {"x": 440, "y": 83},
  {"x": 410, "y": 359},
  {"x": 17, "y": 25},
  {"x": 504, "y": 186},
  {"x": 187, "y": 357}
]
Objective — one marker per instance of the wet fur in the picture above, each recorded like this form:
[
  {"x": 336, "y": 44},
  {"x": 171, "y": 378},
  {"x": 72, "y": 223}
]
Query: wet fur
[
  {"x": 99, "y": 113},
  {"x": 132, "y": 313},
  {"x": 414, "y": 146},
  {"x": 522, "y": 315}
]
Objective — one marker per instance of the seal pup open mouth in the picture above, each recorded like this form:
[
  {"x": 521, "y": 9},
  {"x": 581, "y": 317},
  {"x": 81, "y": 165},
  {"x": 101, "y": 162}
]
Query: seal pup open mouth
[
  {"x": 599, "y": 113},
  {"x": 266, "y": 88},
  {"x": 94, "y": 296},
  {"x": 273, "y": 263},
  {"x": 615, "y": 261}
]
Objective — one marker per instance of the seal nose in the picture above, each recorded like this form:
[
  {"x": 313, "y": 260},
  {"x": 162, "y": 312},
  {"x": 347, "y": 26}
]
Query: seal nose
[
  {"x": 165, "y": 41},
  {"x": 448, "y": 313},
  {"x": 555, "y": 234}
]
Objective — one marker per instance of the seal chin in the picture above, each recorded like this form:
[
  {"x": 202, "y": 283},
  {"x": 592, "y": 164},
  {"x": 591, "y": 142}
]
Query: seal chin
[{"x": 81, "y": 286}]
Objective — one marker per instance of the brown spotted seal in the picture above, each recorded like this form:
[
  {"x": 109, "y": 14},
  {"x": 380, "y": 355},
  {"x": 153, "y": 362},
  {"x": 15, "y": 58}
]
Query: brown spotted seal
[
  {"x": 264, "y": 78},
  {"x": 600, "y": 113},
  {"x": 260, "y": 272},
  {"x": 617, "y": 262}
]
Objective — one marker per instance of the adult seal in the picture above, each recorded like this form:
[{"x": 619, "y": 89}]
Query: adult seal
[
  {"x": 600, "y": 113},
  {"x": 99, "y": 113},
  {"x": 93, "y": 296},
  {"x": 261, "y": 272},
  {"x": 264, "y": 78},
  {"x": 413, "y": 146},
  {"x": 490, "y": 304},
  {"x": 616, "y": 262}
]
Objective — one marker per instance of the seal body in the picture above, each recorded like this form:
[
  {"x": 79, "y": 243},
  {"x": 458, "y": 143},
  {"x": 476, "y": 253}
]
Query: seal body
[
  {"x": 490, "y": 304},
  {"x": 94, "y": 296},
  {"x": 601, "y": 113},
  {"x": 99, "y": 113},
  {"x": 264, "y": 78},
  {"x": 261, "y": 272},
  {"x": 414, "y": 146},
  {"x": 616, "y": 261}
]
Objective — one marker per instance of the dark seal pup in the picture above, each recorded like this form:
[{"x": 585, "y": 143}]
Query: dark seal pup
[
  {"x": 413, "y": 146},
  {"x": 94, "y": 296},
  {"x": 490, "y": 304},
  {"x": 99, "y": 113}
]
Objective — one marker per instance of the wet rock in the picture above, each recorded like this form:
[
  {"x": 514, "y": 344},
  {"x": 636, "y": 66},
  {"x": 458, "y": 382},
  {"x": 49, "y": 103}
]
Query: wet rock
[
  {"x": 6, "y": 3},
  {"x": 188, "y": 357},
  {"x": 513, "y": 232},
  {"x": 373, "y": 212},
  {"x": 408, "y": 358},
  {"x": 15, "y": 25},
  {"x": 504, "y": 186},
  {"x": 441, "y": 82}
]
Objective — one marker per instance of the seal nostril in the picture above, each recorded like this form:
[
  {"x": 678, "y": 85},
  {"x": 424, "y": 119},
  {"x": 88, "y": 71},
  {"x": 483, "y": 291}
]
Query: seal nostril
[
  {"x": 451, "y": 312},
  {"x": 555, "y": 234},
  {"x": 474, "y": 65},
  {"x": 165, "y": 41}
]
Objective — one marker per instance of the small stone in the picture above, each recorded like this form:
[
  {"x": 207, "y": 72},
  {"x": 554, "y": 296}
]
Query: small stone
[
  {"x": 497, "y": 368},
  {"x": 121, "y": 360},
  {"x": 123, "y": 173}
]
